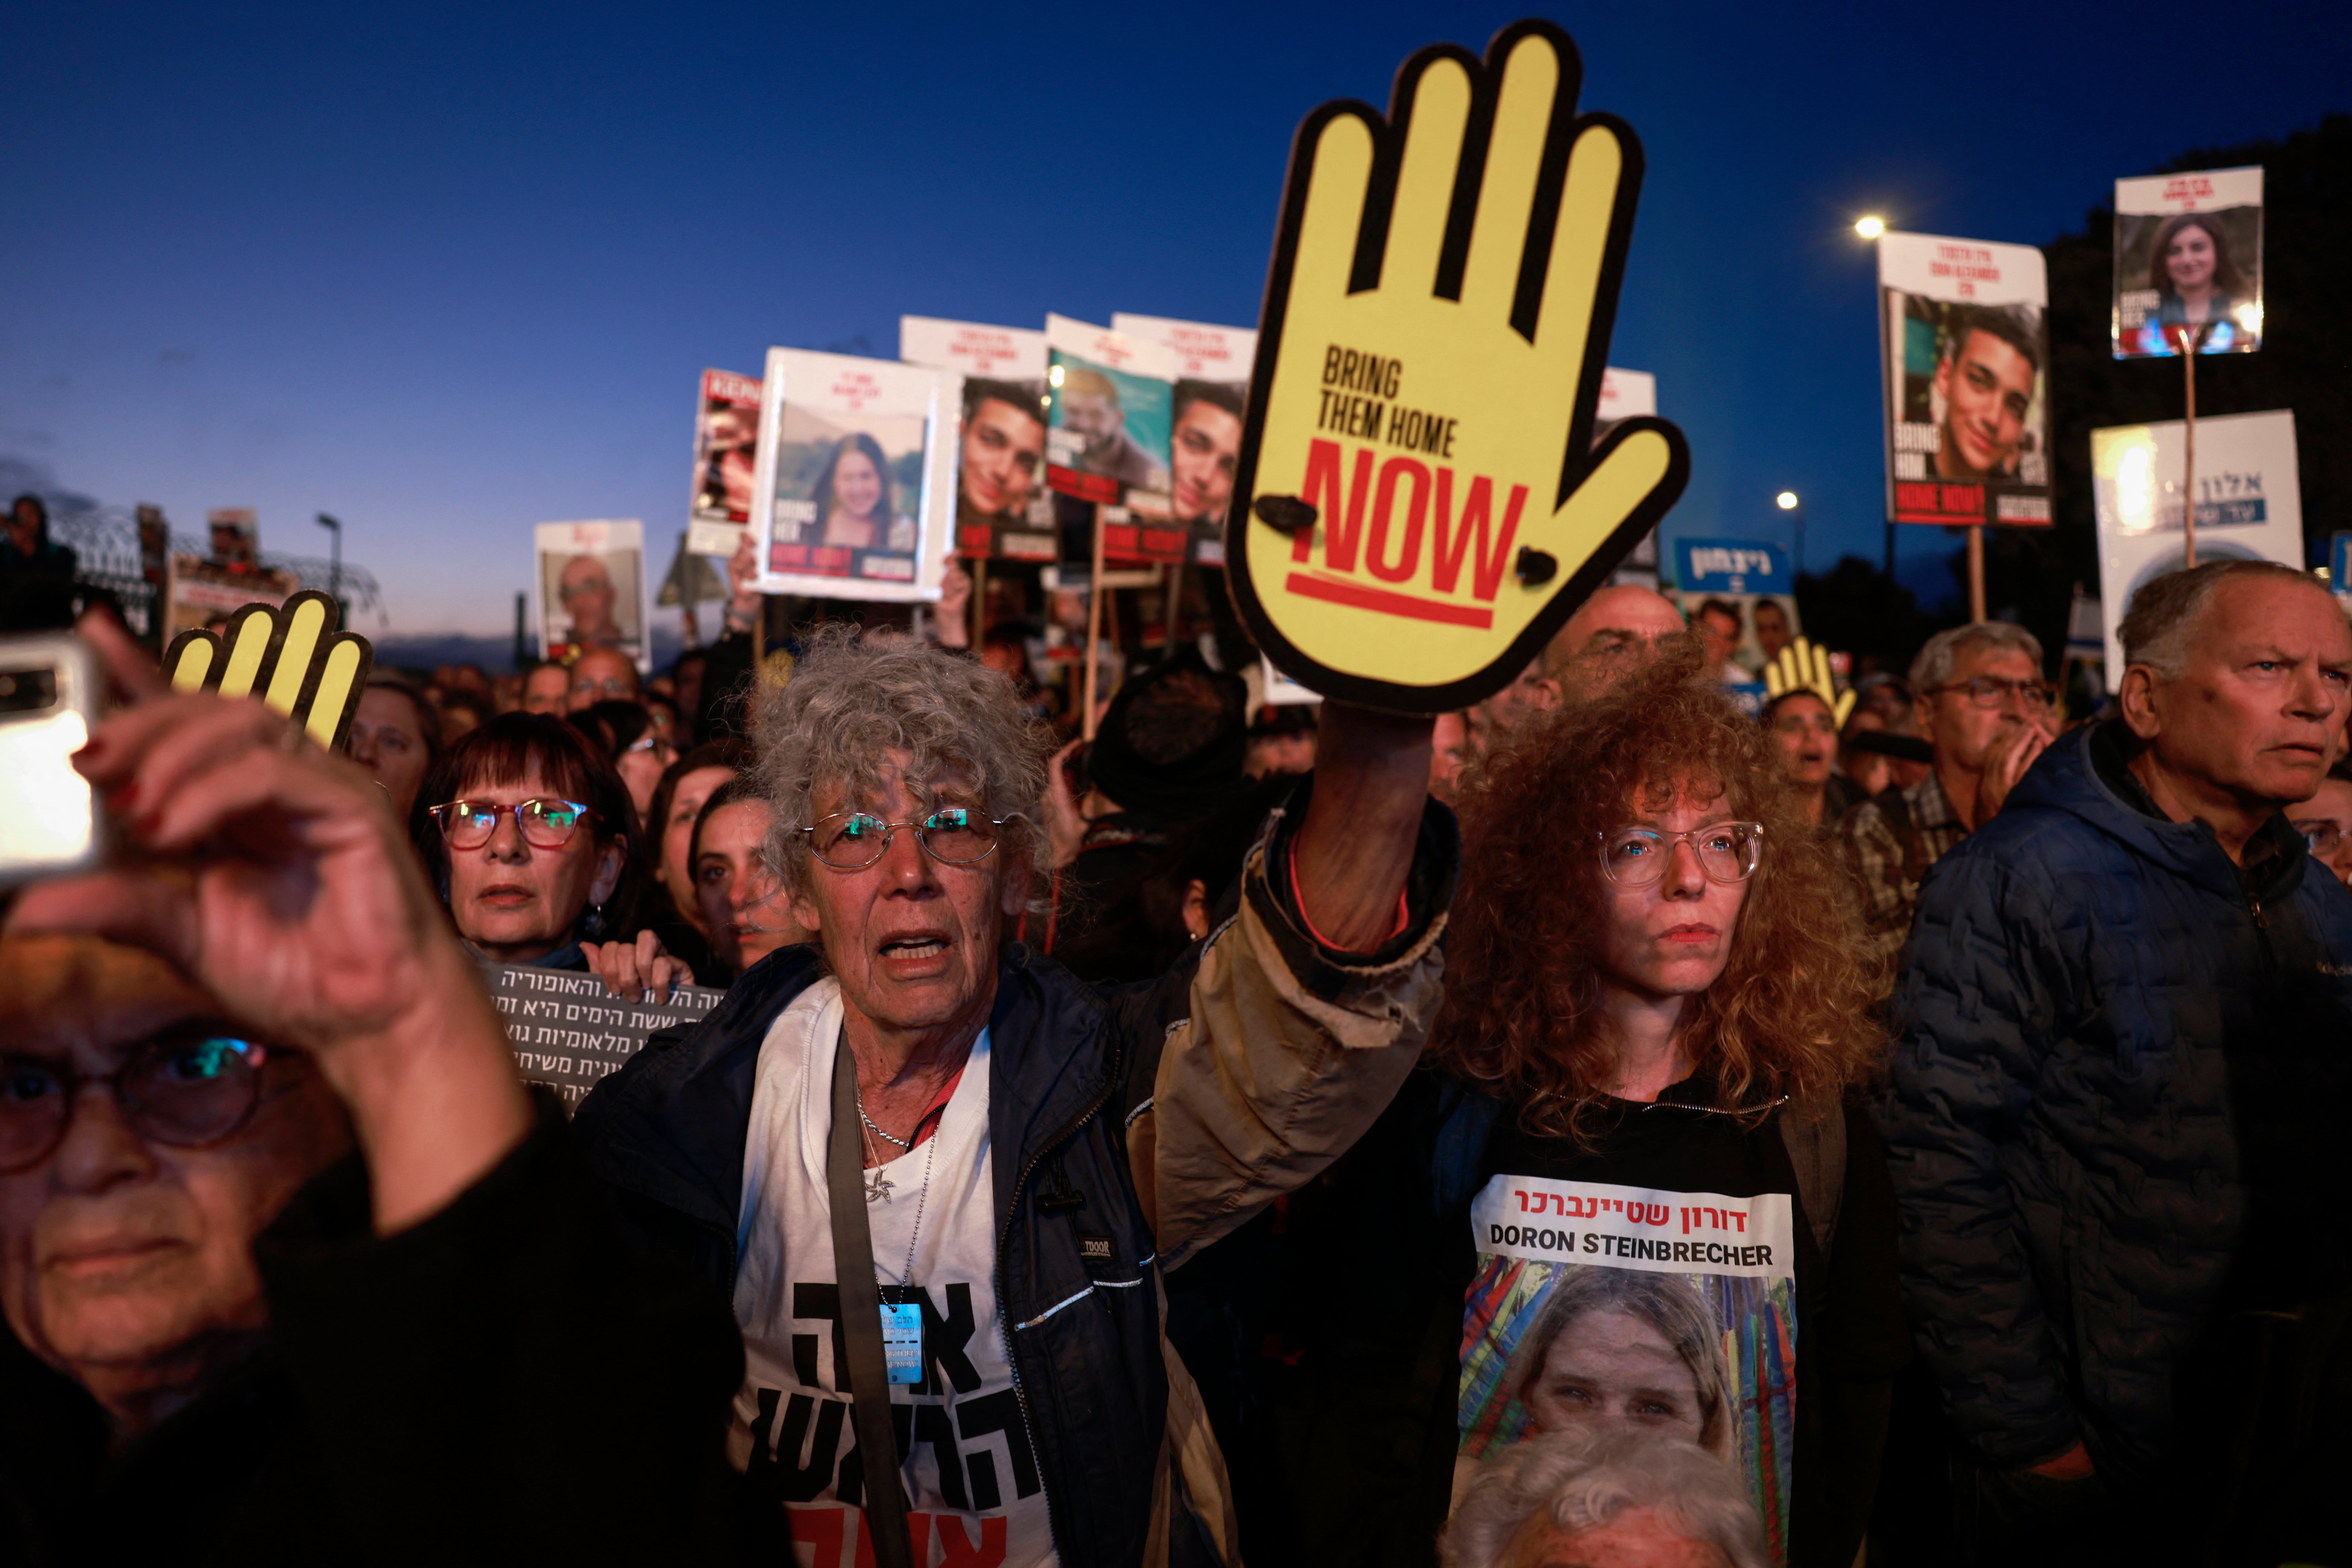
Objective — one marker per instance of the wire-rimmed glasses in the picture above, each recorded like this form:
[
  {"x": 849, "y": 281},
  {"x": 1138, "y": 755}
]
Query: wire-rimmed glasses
[
  {"x": 1637, "y": 857},
  {"x": 952, "y": 835}
]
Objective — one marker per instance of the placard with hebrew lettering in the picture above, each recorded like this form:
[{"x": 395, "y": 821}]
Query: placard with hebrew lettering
[
  {"x": 568, "y": 1031},
  {"x": 1606, "y": 1305},
  {"x": 1419, "y": 503},
  {"x": 1967, "y": 352}
]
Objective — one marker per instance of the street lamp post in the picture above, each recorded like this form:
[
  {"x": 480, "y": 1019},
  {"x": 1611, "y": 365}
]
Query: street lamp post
[
  {"x": 335, "y": 567},
  {"x": 1787, "y": 502}
]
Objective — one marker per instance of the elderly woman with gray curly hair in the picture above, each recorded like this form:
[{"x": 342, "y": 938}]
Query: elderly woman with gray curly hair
[
  {"x": 913, "y": 1148},
  {"x": 1585, "y": 1497}
]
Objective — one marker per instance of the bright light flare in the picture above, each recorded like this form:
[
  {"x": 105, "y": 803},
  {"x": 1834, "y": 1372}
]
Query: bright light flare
[
  {"x": 1870, "y": 228},
  {"x": 1786, "y": 500}
]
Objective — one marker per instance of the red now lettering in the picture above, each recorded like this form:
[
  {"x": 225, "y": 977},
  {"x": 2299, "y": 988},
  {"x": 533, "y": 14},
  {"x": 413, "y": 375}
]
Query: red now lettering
[
  {"x": 1323, "y": 480},
  {"x": 1485, "y": 563},
  {"x": 1416, "y": 513}
]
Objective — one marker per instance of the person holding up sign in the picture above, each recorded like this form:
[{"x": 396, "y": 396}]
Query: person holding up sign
[
  {"x": 912, "y": 1143},
  {"x": 291, "y": 1269}
]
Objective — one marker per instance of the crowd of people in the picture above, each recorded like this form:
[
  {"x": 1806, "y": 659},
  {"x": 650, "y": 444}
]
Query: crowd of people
[{"x": 1599, "y": 1126}]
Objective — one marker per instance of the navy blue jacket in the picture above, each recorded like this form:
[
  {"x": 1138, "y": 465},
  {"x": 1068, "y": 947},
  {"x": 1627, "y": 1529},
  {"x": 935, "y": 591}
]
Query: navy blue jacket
[
  {"x": 2120, "y": 1067},
  {"x": 1070, "y": 1065}
]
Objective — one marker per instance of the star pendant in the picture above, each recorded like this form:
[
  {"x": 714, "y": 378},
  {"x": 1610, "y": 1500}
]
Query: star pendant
[{"x": 878, "y": 1186}]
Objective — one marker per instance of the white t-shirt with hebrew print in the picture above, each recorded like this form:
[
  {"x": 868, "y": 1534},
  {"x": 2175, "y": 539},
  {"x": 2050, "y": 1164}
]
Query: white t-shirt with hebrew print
[{"x": 977, "y": 1499}]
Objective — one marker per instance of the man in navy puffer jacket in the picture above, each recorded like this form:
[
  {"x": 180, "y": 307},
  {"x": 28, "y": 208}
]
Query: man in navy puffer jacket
[{"x": 2123, "y": 1061}]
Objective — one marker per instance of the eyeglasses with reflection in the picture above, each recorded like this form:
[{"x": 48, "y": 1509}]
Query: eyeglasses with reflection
[
  {"x": 953, "y": 835},
  {"x": 611, "y": 687},
  {"x": 544, "y": 823},
  {"x": 1991, "y": 690},
  {"x": 187, "y": 1089},
  {"x": 1637, "y": 857},
  {"x": 2323, "y": 838}
]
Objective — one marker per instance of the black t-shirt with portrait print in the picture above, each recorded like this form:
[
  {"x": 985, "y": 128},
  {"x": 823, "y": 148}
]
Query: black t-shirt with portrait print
[{"x": 1678, "y": 1244}]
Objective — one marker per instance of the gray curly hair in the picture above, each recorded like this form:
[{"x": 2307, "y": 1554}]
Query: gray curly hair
[
  {"x": 1584, "y": 1479},
  {"x": 854, "y": 699}
]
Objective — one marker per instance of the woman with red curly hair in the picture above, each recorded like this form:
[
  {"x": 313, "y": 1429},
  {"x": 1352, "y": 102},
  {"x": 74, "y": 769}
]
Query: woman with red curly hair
[
  {"x": 1656, "y": 977},
  {"x": 1643, "y": 1120}
]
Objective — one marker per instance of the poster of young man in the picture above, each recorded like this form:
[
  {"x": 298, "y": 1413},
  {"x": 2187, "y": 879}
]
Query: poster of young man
[
  {"x": 2249, "y": 504},
  {"x": 1601, "y": 1305},
  {"x": 236, "y": 535},
  {"x": 2189, "y": 255},
  {"x": 1967, "y": 357},
  {"x": 726, "y": 451},
  {"x": 592, "y": 589},
  {"x": 855, "y": 483},
  {"x": 1209, "y": 404},
  {"x": 1109, "y": 408},
  {"x": 1739, "y": 597},
  {"x": 201, "y": 594},
  {"x": 1003, "y": 508}
]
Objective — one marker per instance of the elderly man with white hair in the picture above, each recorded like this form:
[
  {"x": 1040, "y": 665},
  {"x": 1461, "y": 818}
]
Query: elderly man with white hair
[
  {"x": 2116, "y": 1110},
  {"x": 939, "y": 1178},
  {"x": 1584, "y": 1498}
]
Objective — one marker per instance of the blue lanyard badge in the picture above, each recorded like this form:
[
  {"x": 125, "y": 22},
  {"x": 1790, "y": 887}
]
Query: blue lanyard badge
[{"x": 902, "y": 1341}]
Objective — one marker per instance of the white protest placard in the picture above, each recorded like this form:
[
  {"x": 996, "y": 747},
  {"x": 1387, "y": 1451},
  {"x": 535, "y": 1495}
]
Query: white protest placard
[
  {"x": 2189, "y": 254},
  {"x": 853, "y": 490},
  {"x": 2249, "y": 504},
  {"x": 592, "y": 589}
]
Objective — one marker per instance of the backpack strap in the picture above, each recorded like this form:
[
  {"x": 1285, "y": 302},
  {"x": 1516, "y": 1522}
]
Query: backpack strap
[{"x": 1813, "y": 1128}]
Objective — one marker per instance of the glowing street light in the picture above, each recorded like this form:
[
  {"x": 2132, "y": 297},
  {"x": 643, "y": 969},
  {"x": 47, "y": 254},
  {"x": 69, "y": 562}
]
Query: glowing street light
[
  {"x": 1870, "y": 227},
  {"x": 1786, "y": 500}
]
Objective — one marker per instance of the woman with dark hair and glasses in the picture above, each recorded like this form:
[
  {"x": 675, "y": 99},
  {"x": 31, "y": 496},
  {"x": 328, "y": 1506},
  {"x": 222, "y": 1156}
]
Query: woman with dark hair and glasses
[
  {"x": 531, "y": 837},
  {"x": 1657, "y": 1019}
]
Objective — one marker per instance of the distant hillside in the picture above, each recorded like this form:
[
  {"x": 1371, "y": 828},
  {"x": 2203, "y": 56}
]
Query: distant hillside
[{"x": 495, "y": 655}]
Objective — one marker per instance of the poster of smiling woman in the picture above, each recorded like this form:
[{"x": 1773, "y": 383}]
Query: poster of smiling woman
[
  {"x": 854, "y": 491},
  {"x": 2188, "y": 258},
  {"x": 1966, "y": 354}
]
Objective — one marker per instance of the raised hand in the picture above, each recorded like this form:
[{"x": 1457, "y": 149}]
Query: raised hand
[
  {"x": 1417, "y": 507},
  {"x": 273, "y": 874}
]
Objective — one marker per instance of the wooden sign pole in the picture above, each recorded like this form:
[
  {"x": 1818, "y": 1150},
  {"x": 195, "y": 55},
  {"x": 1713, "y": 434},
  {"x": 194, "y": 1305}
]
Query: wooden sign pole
[
  {"x": 2190, "y": 341},
  {"x": 1976, "y": 573},
  {"x": 1094, "y": 629}
]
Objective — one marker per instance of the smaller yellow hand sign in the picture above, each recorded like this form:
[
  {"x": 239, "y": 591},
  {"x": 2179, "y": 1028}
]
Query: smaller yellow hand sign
[
  {"x": 290, "y": 656},
  {"x": 1802, "y": 667}
]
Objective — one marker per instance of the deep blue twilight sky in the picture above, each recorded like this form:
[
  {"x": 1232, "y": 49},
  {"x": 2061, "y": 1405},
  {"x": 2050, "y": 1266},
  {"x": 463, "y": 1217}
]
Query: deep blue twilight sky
[{"x": 447, "y": 272}]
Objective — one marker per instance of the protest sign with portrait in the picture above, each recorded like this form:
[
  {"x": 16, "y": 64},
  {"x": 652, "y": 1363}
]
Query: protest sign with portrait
[
  {"x": 1108, "y": 398},
  {"x": 2189, "y": 255},
  {"x": 1591, "y": 1297},
  {"x": 1741, "y": 597},
  {"x": 1206, "y": 410},
  {"x": 2249, "y": 504},
  {"x": 726, "y": 453},
  {"x": 202, "y": 595},
  {"x": 592, "y": 589},
  {"x": 1422, "y": 505},
  {"x": 1967, "y": 358},
  {"x": 854, "y": 493},
  {"x": 236, "y": 535},
  {"x": 1002, "y": 509}
]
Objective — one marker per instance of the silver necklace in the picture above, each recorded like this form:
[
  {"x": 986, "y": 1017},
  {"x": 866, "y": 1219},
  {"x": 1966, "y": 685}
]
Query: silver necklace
[
  {"x": 906, "y": 1144},
  {"x": 880, "y": 1186}
]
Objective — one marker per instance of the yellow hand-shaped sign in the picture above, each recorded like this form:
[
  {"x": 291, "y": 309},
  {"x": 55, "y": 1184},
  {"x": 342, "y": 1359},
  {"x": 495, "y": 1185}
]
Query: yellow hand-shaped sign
[
  {"x": 290, "y": 656},
  {"x": 1802, "y": 667},
  {"x": 1417, "y": 507}
]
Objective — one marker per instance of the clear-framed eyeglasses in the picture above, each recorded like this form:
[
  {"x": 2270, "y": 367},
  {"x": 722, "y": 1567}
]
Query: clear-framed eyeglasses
[
  {"x": 952, "y": 835},
  {"x": 2323, "y": 838},
  {"x": 1637, "y": 857}
]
